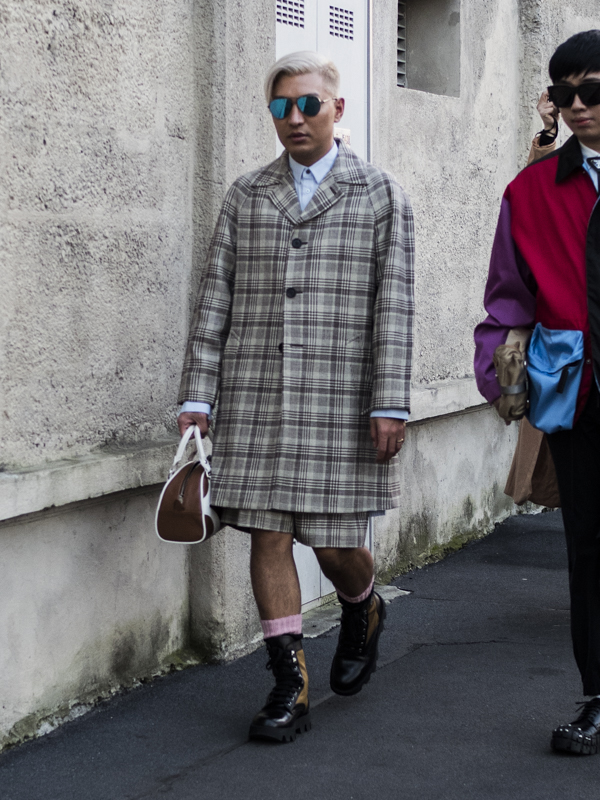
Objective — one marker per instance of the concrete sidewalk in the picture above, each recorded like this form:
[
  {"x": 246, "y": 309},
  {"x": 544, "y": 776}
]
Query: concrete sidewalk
[{"x": 475, "y": 670}]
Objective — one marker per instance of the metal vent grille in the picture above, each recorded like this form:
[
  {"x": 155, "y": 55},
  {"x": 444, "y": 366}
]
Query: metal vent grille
[
  {"x": 401, "y": 46},
  {"x": 291, "y": 12},
  {"x": 341, "y": 22}
]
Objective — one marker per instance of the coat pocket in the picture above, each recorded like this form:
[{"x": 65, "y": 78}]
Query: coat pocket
[
  {"x": 358, "y": 362},
  {"x": 234, "y": 339}
]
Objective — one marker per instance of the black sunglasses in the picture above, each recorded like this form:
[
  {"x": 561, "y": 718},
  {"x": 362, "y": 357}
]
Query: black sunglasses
[
  {"x": 308, "y": 104},
  {"x": 563, "y": 96}
]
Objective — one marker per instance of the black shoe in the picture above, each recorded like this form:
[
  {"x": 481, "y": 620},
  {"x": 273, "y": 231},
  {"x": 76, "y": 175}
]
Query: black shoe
[
  {"x": 356, "y": 656},
  {"x": 287, "y": 710},
  {"x": 580, "y": 736}
]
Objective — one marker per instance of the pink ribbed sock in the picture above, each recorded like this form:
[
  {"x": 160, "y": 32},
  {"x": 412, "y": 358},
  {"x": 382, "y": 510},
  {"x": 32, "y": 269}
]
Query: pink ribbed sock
[
  {"x": 277, "y": 627},
  {"x": 360, "y": 597}
]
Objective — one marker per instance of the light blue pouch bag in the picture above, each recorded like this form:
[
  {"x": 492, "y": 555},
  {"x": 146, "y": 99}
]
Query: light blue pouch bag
[{"x": 554, "y": 368}]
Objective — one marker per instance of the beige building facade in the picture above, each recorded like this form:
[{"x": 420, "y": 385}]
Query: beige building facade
[{"x": 122, "y": 123}]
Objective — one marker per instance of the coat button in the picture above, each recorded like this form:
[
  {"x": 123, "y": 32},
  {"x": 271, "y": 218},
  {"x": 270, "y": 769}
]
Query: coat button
[
  {"x": 296, "y": 243},
  {"x": 280, "y": 345},
  {"x": 588, "y": 361},
  {"x": 290, "y": 292}
]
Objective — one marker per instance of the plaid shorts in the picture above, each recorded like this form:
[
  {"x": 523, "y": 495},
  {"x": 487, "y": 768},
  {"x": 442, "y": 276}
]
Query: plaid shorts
[{"x": 314, "y": 530}]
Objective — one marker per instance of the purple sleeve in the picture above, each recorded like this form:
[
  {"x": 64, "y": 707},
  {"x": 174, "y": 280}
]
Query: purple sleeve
[{"x": 509, "y": 300}]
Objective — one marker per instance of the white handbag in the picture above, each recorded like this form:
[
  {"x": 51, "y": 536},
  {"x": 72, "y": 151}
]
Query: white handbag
[{"x": 183, "y": 514}]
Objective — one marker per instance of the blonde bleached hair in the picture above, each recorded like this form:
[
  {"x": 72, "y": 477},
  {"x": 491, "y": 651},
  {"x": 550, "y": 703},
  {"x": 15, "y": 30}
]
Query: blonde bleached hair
[{"x": 302, "y": 63}]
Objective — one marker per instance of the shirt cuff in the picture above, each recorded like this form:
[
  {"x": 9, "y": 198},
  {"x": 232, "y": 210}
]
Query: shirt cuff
[
  {"x": 195, "y": 408},
  {"x": 395, "y": 413}
]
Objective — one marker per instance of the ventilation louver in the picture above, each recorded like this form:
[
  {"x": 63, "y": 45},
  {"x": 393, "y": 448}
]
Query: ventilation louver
[
  {"x": 341, "y": 22},
  {"x": 401, "y": 46},
  {"x": 291, "y": 12}
]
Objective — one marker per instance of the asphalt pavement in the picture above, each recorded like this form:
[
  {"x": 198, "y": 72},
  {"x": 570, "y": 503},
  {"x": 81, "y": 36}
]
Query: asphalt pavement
[{"x": 475, "y": 671}]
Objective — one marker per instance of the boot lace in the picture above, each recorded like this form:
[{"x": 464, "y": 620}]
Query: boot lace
[
  {"x": 288, "y": 678},
  {"x": 353, "y": 633}
]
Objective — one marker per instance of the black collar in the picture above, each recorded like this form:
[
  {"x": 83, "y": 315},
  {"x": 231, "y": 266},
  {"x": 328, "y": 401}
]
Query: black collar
[{"x": 570, "y": 158}]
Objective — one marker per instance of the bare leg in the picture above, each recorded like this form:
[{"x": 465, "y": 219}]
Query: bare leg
[
  {"x": 350, "y": 569},
  {"x": 273, "y": 572},
  {"x": 277, "y": 594}
]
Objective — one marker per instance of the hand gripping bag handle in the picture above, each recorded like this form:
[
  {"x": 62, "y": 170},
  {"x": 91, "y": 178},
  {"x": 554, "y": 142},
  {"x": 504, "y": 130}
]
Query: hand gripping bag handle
[{"x": 194, "y": 431}]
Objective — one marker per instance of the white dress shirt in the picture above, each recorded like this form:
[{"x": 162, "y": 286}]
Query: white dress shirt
[{"x": 307, "y": 179}]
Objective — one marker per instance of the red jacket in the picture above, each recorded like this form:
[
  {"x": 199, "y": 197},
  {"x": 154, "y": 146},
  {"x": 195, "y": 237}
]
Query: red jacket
[{"x": 545, "y": 264}]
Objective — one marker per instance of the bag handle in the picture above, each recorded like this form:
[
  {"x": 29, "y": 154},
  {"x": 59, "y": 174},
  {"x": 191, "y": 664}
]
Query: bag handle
[{"x": 192, "y": 430}]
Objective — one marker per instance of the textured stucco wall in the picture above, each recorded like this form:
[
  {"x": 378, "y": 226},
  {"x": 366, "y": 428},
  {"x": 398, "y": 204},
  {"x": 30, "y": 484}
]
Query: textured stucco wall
[
  {"x": 90, "y": 600},
  {"x": 433, "y": 46},
  {"x": 97, "y": 130},
  {"x": 544, "y": 25},
  {"x": 121, "y": 125},
  {"x": 224, "y": 618},
  {"x": 454, "y": 156},
  {"x": 453, "y": 474}
]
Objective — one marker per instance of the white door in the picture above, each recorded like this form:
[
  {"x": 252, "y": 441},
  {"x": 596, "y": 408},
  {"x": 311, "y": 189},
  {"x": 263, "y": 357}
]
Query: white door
[{"x": 339, "y": 31}]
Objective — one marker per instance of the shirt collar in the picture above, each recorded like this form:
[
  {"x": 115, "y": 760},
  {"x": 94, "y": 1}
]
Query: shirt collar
[
  {"x": 587, "y": 152},
  {"x": 319, "y": 169}
]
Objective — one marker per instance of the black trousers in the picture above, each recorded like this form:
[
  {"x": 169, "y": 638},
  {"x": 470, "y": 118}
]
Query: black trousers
[{"x": 576, "y": 455}]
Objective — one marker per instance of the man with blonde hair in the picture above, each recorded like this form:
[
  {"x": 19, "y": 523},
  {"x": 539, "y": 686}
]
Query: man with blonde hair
[{"x": 303, "y": 330}]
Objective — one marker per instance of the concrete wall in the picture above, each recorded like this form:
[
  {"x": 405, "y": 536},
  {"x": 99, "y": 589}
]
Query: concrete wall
[
  {"x": 543, "y": 26},
  {"x": 98, "y": 128},
  {"x": 433, "y": 46},
  {"x": 89, "y": 602},
  {"x": 122, "y": 123},
  {"x": 453, "y": 474},
  {"x": 454, "y": 155}
]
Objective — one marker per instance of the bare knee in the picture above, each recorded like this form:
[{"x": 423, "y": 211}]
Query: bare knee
[
  {"x": 329, "y": 557},
  {"x": 336, "y": 558},
  {"x": 272, "y": 543}
]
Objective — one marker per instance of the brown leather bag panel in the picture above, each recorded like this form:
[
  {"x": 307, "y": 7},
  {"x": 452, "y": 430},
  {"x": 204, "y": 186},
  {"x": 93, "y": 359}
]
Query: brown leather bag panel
[{"x": 179, "y": 516}]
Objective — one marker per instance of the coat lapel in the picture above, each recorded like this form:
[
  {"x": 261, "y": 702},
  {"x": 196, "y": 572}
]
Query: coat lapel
[
  {"x": 328, "y": 194},
  {"x": 347, "y": 169},
  {"x": 282, "y": 191}
]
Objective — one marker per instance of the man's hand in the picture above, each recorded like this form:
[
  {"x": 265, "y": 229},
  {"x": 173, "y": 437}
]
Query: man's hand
[
  {"x": 192, "y": 418},
  {"x": 547, "y": 111},
  {"x": 387, "y": 434}
]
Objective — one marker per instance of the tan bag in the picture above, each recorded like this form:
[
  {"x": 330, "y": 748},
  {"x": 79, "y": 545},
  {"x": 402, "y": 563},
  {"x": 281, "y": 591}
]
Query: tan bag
[
  {"x": 184, "y": 514},
  {"x": 509, "y": 361},
  {"x": 532, "y": 475}
]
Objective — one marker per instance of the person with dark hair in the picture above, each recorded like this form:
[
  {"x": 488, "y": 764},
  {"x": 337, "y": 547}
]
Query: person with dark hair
[{"x": 545, "y": 268}]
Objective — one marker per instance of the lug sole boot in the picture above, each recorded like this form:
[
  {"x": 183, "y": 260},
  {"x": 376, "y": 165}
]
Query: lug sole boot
[
  {"x": 582, "y": 736},
  {"x": 355, "y": 659},
  {"x": 287, "y": 710}
]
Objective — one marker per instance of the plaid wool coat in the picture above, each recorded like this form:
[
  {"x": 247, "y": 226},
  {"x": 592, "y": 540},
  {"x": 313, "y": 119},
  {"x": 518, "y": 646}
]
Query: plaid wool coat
[{"x": 303, "y": 325}]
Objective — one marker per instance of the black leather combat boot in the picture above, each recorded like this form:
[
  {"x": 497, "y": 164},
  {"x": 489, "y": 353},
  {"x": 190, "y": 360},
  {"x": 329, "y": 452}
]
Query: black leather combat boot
[
  {"x": 356, "y": 656},
  {"x": 582, "y": 736},
  {"x": 287, "y": 711}
]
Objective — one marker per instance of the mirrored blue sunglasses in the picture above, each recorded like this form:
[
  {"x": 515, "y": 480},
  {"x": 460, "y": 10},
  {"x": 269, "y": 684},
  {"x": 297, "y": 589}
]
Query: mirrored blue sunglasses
[{"x": 308, "y": 104}]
